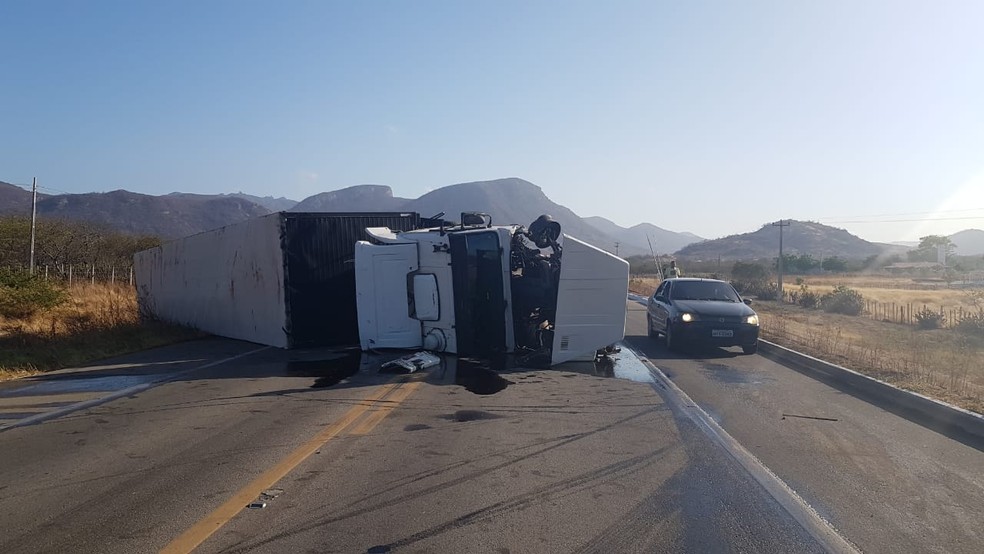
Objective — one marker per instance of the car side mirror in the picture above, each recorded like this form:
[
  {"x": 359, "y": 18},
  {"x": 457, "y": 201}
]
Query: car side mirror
[{"x": 747, "y": 301}]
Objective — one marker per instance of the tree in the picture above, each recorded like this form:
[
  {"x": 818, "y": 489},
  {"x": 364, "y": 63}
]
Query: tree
[
  {"x": 929, "y": 246},
  {"x": 749, "y": 272},
  {"x": 835, "y": 264}
]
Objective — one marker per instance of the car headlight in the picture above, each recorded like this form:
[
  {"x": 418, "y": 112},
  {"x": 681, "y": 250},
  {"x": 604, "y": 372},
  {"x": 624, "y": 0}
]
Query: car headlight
[
  {"x": 688, "y": 317},
  {"x": 752, "y": 319}
]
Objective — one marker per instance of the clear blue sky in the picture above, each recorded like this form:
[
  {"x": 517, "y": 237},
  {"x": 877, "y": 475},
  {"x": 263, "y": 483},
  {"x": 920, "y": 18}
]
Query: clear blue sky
[{"x": 710, "y": 117}]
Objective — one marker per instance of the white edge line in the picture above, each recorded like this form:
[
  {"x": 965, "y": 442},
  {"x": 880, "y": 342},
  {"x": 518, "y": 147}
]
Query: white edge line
[
  {"x": 40, "y": 418},
  {"x": 804, "y": 514}
]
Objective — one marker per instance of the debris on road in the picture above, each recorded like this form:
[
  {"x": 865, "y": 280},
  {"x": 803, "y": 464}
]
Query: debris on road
[
  {"x": 784, "y": 416},
  {"x": 410, "y": 363}
]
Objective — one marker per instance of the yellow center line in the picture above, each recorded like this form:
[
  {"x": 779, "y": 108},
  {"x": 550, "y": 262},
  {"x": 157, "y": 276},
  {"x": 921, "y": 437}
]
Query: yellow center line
[
  {"x": 197, "y": 534},
  {"x": 380, "y": 413}
]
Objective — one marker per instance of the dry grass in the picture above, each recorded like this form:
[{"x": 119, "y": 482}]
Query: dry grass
[
  {"x": 938, "y": 363},
  {"x": 98, "y": 321},
  {"x": 887, "y": 290}
]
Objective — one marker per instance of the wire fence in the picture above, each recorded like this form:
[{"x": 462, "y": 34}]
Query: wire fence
[
  {"x": 906, "y": 314},
  {"x": 72, "y": 274}
]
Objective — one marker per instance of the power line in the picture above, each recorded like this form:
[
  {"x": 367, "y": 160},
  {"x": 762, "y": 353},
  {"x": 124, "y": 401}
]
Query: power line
[
  {"x": 904, "y": 213},
  {"x": 29, "y": 188},
  {"x": 907, "y": 220}
]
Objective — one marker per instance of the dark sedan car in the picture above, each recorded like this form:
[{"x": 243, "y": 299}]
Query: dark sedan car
[{"x": 702, "y": 311}]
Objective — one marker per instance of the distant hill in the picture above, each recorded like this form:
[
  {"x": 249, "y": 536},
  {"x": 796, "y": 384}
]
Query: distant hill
[
  {"x": 15, "y": 201},
  {"x": 168, "y": 216},
  {"x": 800, "y": 237},
  {"x": 508, "y": 201},
  {"x": 269, "y": 202},
  {"x": 280, "y": 204},
  {"x": 360, "y": 198},
  {"x": 639, "y": 236},
  {"x": 969, "y": 242}
]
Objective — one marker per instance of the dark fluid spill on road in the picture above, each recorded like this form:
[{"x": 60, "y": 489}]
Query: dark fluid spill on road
[
  {"x": 617, "y": 365},
  {"x": 329, "y": 372},
  {"x": 479, "y": 377},
  {"x": 462, "y": 416},
  {"x": 731, "y": 375},
  {"x": 724, "y": 374}
]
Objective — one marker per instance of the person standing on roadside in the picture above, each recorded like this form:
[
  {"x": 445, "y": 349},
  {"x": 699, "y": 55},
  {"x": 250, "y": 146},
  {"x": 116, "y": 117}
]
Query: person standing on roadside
[{"x": 673, "y": 270}]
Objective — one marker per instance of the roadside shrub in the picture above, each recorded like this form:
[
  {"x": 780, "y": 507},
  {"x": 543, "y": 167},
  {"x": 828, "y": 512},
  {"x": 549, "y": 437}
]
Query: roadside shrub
[
  {"x": 843, "y": 300},
  {"x": 22, "y": 295},
  {"x": 743, "y": 272},
  {"x": 971, "y": 324},
  {"x": 807, "y": 298},
  {"x": 930, "y": 319},
  {"x": 759, "y": 289}
]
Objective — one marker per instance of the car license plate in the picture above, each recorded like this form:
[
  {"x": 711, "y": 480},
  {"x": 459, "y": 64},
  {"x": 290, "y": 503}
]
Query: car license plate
[{"x": 722, "y": 333}]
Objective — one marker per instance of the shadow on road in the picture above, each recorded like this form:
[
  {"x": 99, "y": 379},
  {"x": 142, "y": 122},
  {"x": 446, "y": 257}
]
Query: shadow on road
[{"x": 655, "y": 349}]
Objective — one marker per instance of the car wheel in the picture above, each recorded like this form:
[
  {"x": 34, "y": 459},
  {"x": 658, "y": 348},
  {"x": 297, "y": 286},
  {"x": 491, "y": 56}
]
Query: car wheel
[
  {"x": 671, "y": 342},
  {"x": 649, "y": 327},
  {"x": 750, "y": 349}
]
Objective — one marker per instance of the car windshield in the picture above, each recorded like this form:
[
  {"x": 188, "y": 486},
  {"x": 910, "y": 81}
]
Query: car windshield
[{"x": 704, "y": 290}]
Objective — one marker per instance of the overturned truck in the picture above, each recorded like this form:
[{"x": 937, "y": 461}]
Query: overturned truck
[
  {"x": 481, "y": 291},
  {"x": 392, "y": 280}
]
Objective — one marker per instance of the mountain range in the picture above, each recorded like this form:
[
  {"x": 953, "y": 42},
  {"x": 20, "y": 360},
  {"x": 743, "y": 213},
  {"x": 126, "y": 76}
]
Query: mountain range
[
  {"x": 799, "y": 237},
  {"x": 510, "y": 200},
  {"x": 180, "y": 214}
]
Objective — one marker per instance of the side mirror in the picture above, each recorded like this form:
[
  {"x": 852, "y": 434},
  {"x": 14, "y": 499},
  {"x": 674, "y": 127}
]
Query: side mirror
[{"x": 747, "y": 301}]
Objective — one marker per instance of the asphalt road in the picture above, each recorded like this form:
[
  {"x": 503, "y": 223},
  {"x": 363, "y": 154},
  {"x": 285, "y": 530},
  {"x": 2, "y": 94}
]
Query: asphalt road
[
  {"x": 886, "y": 483},
  {"x": 454, "y": 459},
  {"x": 339, "y": 458}
]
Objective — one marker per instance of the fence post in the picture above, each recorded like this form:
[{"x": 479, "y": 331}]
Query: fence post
[
  {"x": 69, "y": 274},
  {"x": 131, "y": 275},
  {"x": 93, "y": 274},
  {"x": 46, "y": 272}
]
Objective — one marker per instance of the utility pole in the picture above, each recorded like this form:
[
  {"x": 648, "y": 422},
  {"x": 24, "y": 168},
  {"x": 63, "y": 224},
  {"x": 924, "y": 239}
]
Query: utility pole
[
  {"x": 34, "y": 217},
  {"x": 780, "y": 225},
  {"x": 616, "y": 248}
]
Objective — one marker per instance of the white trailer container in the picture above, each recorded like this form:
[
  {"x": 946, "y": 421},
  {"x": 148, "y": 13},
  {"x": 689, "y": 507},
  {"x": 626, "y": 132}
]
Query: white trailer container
[
  {"x": 228, "y": 282},
  {"x": 285, "y": 279}
]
